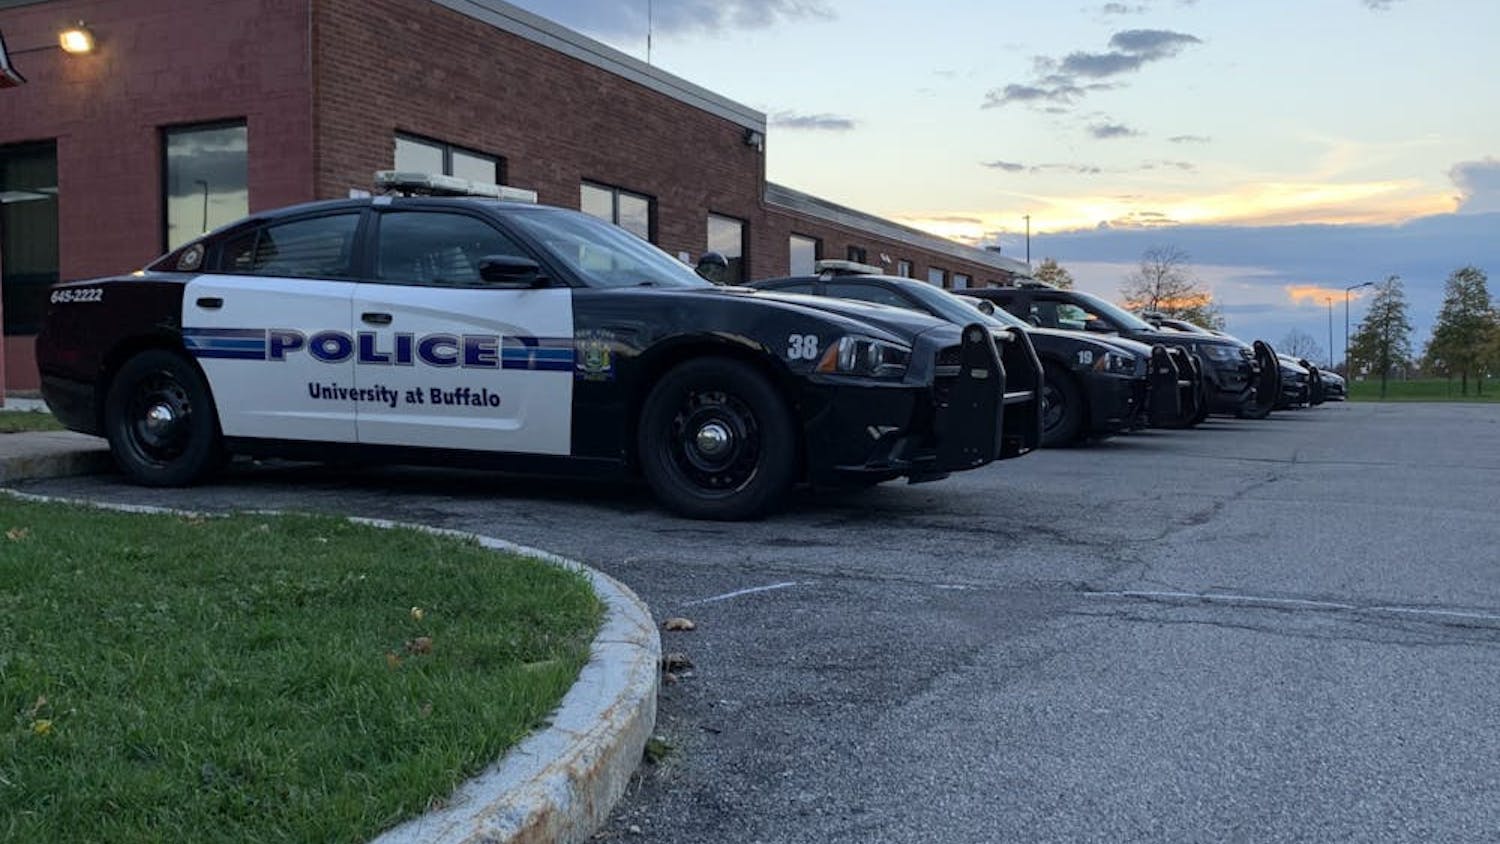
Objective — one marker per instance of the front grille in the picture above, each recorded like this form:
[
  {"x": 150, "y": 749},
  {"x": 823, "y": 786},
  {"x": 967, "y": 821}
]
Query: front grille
[{"x": 951, "y": 356}]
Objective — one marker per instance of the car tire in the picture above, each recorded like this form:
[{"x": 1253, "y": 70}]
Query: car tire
[
  {"x": 716, "y": 441},
  {"x": 1062, "y": 408},
  {"x": 160, "y": 420}
]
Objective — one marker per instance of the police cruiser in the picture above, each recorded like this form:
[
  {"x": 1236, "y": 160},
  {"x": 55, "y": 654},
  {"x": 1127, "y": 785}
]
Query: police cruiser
[{"x": 508, "y": 335}]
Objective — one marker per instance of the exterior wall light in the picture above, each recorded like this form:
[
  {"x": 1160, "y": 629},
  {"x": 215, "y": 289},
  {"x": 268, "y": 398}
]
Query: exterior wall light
[
  {"x": 755, "y": 140},
  {"x": 76, "y": 40}
]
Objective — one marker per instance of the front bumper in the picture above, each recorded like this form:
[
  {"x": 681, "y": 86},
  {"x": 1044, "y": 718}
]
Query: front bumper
[
  {"x": 1229, "y": 385},
  {"x": 948, "y": 416},
  {"x": 1116, "y": 402}
]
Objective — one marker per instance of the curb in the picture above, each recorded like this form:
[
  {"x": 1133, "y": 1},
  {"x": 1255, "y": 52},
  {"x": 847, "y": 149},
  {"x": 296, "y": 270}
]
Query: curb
[
  {"x": 559, "y": 784},
  {"x": 61, "y": 454}
]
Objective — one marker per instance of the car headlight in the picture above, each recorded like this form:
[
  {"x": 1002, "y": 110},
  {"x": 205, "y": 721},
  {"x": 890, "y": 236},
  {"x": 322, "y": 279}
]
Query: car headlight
[
  {"x": 866, "y": 356},
  {"x": 1217, "y": 352},
  {"x": 1114, "y": 364}
]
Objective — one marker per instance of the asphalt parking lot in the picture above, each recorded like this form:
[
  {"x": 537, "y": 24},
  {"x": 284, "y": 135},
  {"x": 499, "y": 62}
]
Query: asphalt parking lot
[{"x": 1025, "y": 652}]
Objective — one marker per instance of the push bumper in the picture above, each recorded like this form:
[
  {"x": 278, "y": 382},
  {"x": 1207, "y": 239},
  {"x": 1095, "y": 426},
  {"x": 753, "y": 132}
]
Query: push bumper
[
  {"x": 1116, "y": 402},
  {"x": 947, "y": 417}
]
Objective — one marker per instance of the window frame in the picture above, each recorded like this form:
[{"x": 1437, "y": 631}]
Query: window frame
[
  {"x": 214, "y": 259},
  {"x": 370, "y": 248},
  {"x": 447, "y": 149},
  {"x": 163, "y": 132},
  {"x": 942, "y": 282},
  {"x": 744, "y": 256},
  {"x": 615, "y": 191},
  {"x": 817, "y": 243}
]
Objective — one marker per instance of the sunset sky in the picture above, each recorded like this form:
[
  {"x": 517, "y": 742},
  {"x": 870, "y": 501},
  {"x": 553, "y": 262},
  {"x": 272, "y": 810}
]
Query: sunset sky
[{"x": 1291, "y": 147}]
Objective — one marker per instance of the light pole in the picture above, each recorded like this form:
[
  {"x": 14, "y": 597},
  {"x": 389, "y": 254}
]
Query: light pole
[
  {"x": 1330, "y": 333},
  {"x": 1348, "y": 370},
  {"x": 1028, "y": 240}
]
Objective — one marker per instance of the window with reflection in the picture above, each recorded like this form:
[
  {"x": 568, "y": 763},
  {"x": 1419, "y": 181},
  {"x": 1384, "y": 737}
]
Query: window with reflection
[
  {"x": 960, "y": 281},
  {"x": 206, "y": 179},
  {"x": 937, "y": 276},
  {"x": 630, "y": 211},
  {"x": 903, "y": 269},
  {"x": 28, "y": 232},
  {"x": 803, "y": 254},
  {"x": 726, "y": 236},
  {"x": 421, "y": 155}
]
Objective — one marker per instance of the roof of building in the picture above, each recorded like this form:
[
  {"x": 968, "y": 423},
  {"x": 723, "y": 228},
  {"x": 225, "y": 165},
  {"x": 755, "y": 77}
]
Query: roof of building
[
  {"x": 539, "y": 30},
  {"x": 822, "y": 209}
]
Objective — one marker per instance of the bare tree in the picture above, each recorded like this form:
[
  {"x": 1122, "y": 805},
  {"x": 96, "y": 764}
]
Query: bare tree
[
  {"x": 1300, "y": 344},
  {"x": 1165, "y": 284}
]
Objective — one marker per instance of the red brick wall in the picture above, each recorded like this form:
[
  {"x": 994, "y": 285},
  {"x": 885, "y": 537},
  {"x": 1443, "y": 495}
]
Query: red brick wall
[
  {"x": 158, "y": 63},
  {"x": 408, "y": 65}
]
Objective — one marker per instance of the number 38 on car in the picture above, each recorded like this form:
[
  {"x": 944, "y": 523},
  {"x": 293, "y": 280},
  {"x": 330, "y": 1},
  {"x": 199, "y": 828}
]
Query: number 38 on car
[{"x": 524, "y": 338}]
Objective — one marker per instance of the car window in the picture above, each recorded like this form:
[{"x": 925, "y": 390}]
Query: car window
[
  {"x": 316, "y": 247},
  {"x": 436, "y": 248},
  {"x": 870, "y": 293},
  {"x": 1064, "y": 315}
]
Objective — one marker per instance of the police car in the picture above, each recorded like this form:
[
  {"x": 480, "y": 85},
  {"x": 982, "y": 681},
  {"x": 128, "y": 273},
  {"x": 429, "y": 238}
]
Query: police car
[{"x": 503, "y": 334}]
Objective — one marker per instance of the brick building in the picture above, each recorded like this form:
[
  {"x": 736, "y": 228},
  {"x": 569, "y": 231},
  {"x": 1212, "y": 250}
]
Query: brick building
[{"x": 183, "y": 115}]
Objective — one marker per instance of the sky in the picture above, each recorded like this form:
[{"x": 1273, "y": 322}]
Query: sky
[{"x": 1290, "y": 147}]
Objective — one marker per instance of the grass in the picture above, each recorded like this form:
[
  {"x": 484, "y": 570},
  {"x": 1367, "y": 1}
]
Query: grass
[
  {"x": 16, "y": 421},
  {"x": 261, "y": 679},
  {"x": 1422, "y": 389}
]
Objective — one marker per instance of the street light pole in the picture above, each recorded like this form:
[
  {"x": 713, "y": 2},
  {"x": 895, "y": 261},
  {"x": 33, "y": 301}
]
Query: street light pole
[
  {"x": 1330, "y": 333},
  {"x": 1348, "y": 370},
  {"x": 1028, "y": 240}
]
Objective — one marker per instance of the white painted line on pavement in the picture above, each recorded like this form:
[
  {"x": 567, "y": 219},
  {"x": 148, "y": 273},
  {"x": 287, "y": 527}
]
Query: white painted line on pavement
[
  {"x": 737, "y": 593},
  {"x": 1477, "y": 616}
]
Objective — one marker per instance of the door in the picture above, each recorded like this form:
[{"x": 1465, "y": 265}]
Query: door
[
  {"x": 459, "y": 363},
  {"x": 272, "y": 330}
]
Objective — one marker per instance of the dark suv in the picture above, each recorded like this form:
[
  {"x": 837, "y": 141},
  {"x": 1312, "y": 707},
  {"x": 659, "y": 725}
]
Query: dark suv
[{"x": 1236, "y": 381}]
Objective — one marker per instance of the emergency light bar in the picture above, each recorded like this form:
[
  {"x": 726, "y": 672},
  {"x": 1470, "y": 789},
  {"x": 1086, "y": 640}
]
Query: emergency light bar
[
  {"x": 407, "y": 183},
  {"x": 830, "y": 268}
]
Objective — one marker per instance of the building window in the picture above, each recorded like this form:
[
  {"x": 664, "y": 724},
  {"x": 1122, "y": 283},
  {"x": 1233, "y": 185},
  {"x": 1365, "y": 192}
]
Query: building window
[
  {"x": 629, "y": 211},
  {"x": 207, "y": 182},
  {"x": 903, "y": 269},
  {"x": 726, "y": 236},
  {"x": 802, "y": 253},
  {"x": 937, "y": 276},
  {"x": 857, "y": 254},
  {"x": 960, "y": 281},
  {"x": 419, "y": 155},
  {"x": 28, "y": 233}
]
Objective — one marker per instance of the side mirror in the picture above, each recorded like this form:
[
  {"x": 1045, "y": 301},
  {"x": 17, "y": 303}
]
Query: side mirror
[
  {"x": 1098, "y": 326},
  {"x": 714, "y": 267},
  {"x": 510, "y": 271}
]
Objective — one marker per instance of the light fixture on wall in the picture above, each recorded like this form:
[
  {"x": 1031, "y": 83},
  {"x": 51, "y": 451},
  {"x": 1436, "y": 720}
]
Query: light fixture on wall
[
  {"x": 755, "y": 138},
  {"x": 76, "y": 40}
]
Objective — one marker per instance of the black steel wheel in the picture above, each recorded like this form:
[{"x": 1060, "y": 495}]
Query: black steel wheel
[
  {"x": 716, "y": 441},
  {"x": 160, "y": 420},
  {"x": 1062, "y": 408}
]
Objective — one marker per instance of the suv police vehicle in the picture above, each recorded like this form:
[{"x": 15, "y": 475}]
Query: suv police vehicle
[
  {"x": 509, "y": 335},
  {"x": 1235, "y": 381},
  {"x": 1090, "y": 387}
]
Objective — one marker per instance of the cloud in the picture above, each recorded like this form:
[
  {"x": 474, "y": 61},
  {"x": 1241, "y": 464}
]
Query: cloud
[
  {"x": 1064, "y": 81},
  {"x": 1317, "y": 294},
  {"x": 1105, "y": 131},
  {"x": 674, "y": 17},
  {"x": 1378, "y": 5},
  {"x": 812, "y": 122},
  {"x": 1189, "y": 139},
  {"x": 1121, "y": 9},
  {"x": 1169, "y": 165},
  {"x": 1007, "y": 166},
  {"x": 1016, "y": 167},
  {"x": 1478, "y": 183}
]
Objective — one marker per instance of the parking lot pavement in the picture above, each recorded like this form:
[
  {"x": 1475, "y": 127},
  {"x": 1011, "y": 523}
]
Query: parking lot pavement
[{"x": 1277, "y": 630}]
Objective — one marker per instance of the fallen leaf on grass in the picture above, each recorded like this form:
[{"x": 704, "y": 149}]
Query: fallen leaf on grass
[
  {"x": 392, "y": 660},
  {"x": 36, "y": 708},
  {"x": 417, "y": 613},
  {"x": 419, "y": 645},
  {"x": 42, "y": 726},
  {"x": 680, "y": 624},
  {"x": 17, "y": 534}
]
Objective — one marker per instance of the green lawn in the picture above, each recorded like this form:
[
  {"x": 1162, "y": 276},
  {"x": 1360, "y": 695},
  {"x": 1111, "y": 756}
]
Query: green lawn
[
  {"x": 1422, "y": 389},
  {"x": 16, "y": 421},
  {"x": 261, "y": 679}
]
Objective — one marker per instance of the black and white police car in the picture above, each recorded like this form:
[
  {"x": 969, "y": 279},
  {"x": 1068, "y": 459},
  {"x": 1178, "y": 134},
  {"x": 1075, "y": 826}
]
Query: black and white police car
[{"x": 490, "y": 333}]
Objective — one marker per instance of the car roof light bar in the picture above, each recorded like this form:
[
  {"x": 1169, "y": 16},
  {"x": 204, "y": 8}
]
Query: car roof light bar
[
  {"x": 830, "y": 268},
  {"x": 409, "y": 183}
]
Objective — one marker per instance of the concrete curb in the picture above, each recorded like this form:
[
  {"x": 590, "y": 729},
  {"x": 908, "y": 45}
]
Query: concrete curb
[
  {"x": 37, "y": 455},
  {"x": 559, "y": 784}
]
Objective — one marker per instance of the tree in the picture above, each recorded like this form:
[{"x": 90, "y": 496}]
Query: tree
[
  {"x": 1054, "y": 274},
  {"x": 1166, "y": 285},
  {"x": 1463, "y": 337},
  {"x": 1383, "y": 341},
  {"x": 1300, "y": 344}
]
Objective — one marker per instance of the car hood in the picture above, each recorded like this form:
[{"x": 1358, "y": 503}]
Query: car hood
[
  {"x": 898, "y": 321},
  {"x": 1121, "y": 345}
]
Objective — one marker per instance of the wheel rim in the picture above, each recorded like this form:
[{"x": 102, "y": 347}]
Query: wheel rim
[
  {"x": 1053, "y": 408},
  {"x": 158, "y": 418},
  {"x": 715, "y": 442}
]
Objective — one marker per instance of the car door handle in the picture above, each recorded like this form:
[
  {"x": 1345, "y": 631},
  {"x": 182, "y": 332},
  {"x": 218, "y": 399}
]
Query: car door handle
[
  {"x": 376, "y": 318},
  {"x": 212, "y": 303}
]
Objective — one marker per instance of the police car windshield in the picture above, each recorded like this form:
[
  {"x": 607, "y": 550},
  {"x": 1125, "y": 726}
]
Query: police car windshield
[
  {"x": 956, "y": 310},
  {"x": 605, "y": 255},
  {"x": 1119, "y": 315}
]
